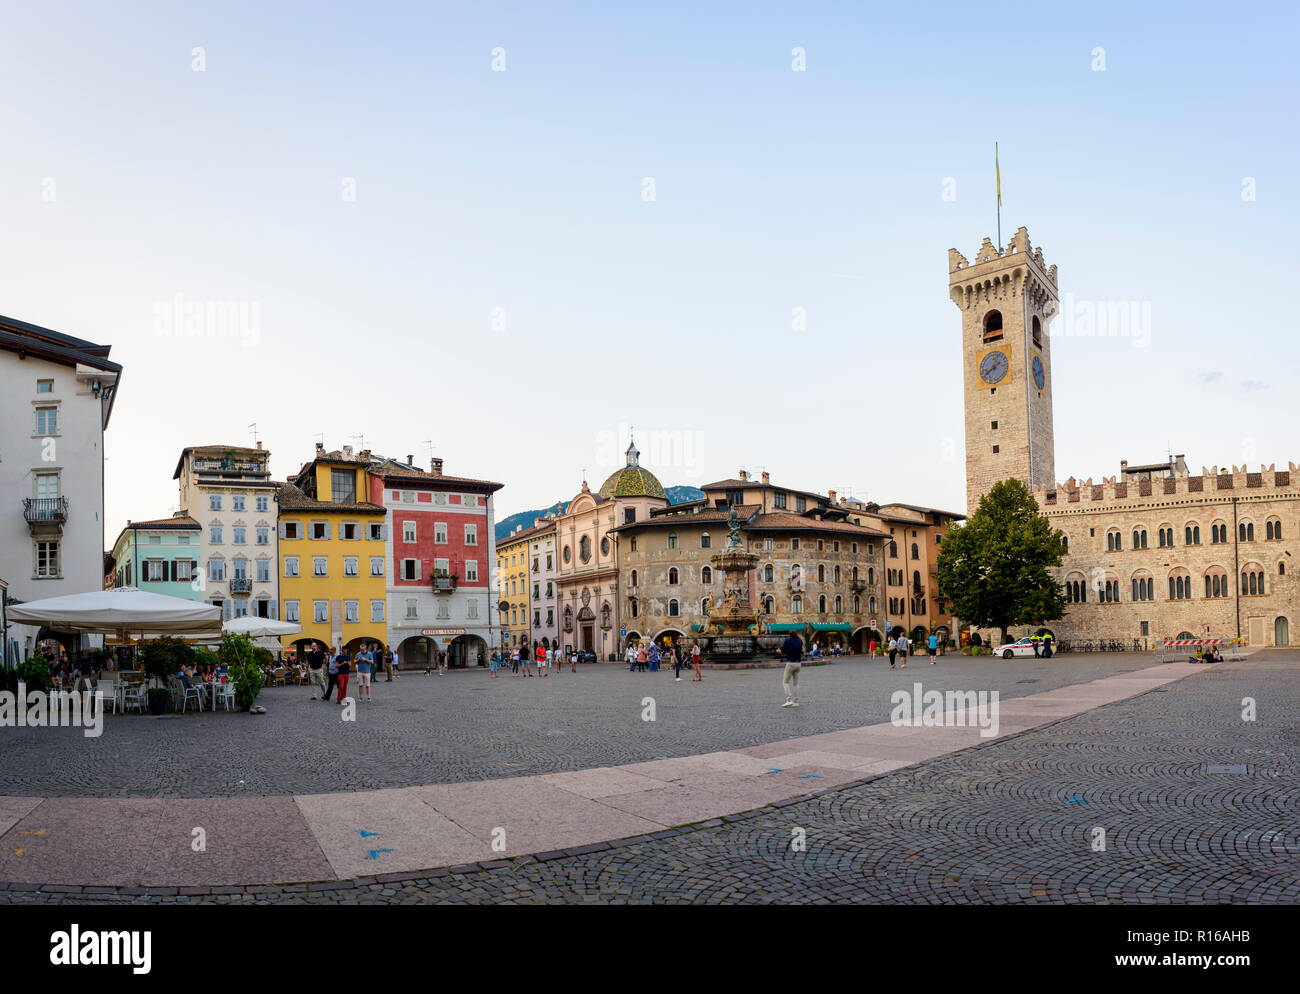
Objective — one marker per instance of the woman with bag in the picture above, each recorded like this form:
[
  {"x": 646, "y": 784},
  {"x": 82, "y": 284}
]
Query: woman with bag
[{"x": 696, "y": 657}]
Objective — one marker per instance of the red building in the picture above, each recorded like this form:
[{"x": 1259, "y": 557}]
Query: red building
[{"x": 440, "y": 553}]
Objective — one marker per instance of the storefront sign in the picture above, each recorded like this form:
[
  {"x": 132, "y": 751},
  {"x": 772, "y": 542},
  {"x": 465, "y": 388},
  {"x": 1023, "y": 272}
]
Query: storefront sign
[{"x": 442, "y": 631}]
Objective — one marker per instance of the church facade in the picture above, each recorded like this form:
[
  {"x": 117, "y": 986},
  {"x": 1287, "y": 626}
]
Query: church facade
[{"x": 1152, "y": 552}]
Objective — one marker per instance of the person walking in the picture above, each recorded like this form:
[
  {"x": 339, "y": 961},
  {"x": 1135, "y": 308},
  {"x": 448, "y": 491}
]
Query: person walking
[
  {"x": 496, "y": 662},
  {"x": 333, "y": 673},
  {"x": 316, "y": 668},
  {"x": 525, "y": 659},
  {"x": 442, "y": 663},
  {"x": 629, "y": 657},
  {"x": 893, "y": 651},
  {"x": 934, "y": 647},
  {"x": 696, "y": 659},
  {"x": 654, "y": 656},
  {"x": 541, "y": 660},
  {"x": 514, "y": 661},
  {"x": 904, "y": 644},
  {"x": 675, "y": 654},
  {"x": 793, "y": 649},
  {"x": 873, "y": 648},
  {"x": 344, "y": 669}
]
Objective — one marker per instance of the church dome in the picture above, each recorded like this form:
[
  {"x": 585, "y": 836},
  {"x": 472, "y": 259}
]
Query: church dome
[{"x": 632, "y": 480}]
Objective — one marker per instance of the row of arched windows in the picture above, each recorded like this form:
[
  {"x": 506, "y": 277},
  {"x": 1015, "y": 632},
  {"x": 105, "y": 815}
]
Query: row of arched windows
[
  {"x": 1217, "y": 584},
  {"x": 1192, "y": 535}
]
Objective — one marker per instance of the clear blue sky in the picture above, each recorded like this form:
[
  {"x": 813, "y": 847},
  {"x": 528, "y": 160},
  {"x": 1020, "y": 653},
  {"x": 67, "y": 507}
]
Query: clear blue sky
[{"x": 775, "y": 189}]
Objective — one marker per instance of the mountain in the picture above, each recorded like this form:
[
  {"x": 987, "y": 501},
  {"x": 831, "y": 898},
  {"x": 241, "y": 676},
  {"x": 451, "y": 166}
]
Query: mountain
[{"x": 676, "y": 495}]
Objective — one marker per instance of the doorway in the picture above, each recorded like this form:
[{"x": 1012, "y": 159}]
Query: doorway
[
  {"x": 589, "y": 638},
  {"x": 1281, "y": 632}
]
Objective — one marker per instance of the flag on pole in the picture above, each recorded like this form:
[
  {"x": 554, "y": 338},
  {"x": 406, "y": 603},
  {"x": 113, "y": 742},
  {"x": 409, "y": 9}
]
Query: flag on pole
[{"x": 997, "y": 169}]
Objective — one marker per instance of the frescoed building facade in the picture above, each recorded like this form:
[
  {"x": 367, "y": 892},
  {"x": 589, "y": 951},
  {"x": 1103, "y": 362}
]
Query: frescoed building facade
[{"x": 441, "y": 553}]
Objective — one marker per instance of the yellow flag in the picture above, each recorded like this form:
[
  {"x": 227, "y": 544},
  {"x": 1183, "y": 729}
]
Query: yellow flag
[{"x": 997, "y": 169}]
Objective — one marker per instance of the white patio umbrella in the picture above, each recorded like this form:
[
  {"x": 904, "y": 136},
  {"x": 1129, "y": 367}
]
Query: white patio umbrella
[
  {"x": 126, "y": 612},
  {"x": 261, "y": 627}
]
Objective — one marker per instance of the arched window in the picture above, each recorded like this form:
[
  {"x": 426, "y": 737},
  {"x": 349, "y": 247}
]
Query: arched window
[
  {"x": 1272, "y": 530},
  {"x": 837, "y": 574},
  {"x": 704, "y": 606},
  {"x": 871, "y": 605},
  {"x": 821, "y": 604},
  {"x": 1139, "y": 538},
  {"x": 821, "y": 573},
  {"x": 1192, "y": 535},
  {"x": 796, "y": 604},
  {"x": 1281, "y": 569},
  {"x": 634, "y": 575},
  {"x": 672, "y": 540},
  {"x": 769, "y": 605},
  {"x": 672, "y": 575},
  {"x": 916, "y": 583},
  {"x": 1246, "y": 532},
  {"x": 636, "y": 610},
  {"x": 1113, "y": 543},
  {"x": 992, "y": 326},
  {"x": 673, "y": 609},
  {"x": 857, "y": 604},
  {"x": 893, "y": 549},
  {"x": 839, "y": 605},
  {"x": 871, "y": 575},
  {"x": 704, "y": 541},
  {"x": 916, "y": 551},
  {"x": 767, "y": 573},
  {"x": 1037, "y": 332},
  {"x": 706, "y": 574},
  {"x": 854, "y": 575},
  {"x": 1065, "y": 543}
]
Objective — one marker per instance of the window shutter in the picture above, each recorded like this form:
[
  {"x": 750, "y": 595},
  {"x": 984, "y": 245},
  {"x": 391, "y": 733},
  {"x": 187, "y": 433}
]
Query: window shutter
[
  {"x": 282, "y": 529},
  {"x": 329, "y": 530},
  {"x": 383, "y": 532},
  {"x": 419, "y": 569},
  {"x": 275, "y": 609}
]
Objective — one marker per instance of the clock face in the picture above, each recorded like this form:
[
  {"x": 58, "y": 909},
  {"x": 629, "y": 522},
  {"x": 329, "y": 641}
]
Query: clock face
[
  {"x": 1038, "y": 372},
  {"x": 993, "y": 367}
]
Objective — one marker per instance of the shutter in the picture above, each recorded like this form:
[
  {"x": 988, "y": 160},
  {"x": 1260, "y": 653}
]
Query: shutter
[
  {"x": 282, "y": 529},
  {"x": 173, "y": 571},
  {"x": 329, "y": 530},
  {"x": 383, "y": 532},
  {"x": 419, "y": 569},
  {"x": 275, "y": 610}
]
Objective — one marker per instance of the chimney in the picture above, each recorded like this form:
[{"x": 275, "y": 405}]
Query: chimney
[
  {"x": 435, "y": 466},
  {"x": 1123, "y": 465},
  {"x": 744, "y": 474},
  {"x": 320, "y": 449},
  {"x": 831, "y": 495},
  {"x": 410, "y": 459},
  {"x": 347, "y": 451},
  {"x": 365, "y": 455},
  {"x": 767, "y": 477},
  {"x": 259, "y": 445}
]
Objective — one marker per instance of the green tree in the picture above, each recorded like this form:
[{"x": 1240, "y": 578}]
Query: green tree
[{"x": 997, "y": 568}]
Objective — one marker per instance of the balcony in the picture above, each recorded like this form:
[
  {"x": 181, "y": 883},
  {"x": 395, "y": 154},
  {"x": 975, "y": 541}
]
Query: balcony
[
  {"x": 444, "y": 583},
  {"x": 45, "y": 515},
  {"x": 241, "y": 585}
]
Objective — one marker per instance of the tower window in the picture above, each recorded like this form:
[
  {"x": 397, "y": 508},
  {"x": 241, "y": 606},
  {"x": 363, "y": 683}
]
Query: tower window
[
  {"x": 995, "y": 450},
  {"x": 995, "y": 426},
  {"x": 1037, "y": 332},
  {"x": 993, "y": 326}
]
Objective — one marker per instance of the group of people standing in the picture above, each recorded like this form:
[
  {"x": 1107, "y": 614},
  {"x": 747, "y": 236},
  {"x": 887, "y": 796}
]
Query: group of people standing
[
  {"x": 520, "y": 659},
  {"x": 644, "y": 658},
  {"x": 337, "y": 668},
  {"x": 900, "y": 646}
]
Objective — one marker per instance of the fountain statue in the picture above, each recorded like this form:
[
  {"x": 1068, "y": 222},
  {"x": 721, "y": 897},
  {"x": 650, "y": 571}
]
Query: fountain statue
[{"x": 732, "y": 623}]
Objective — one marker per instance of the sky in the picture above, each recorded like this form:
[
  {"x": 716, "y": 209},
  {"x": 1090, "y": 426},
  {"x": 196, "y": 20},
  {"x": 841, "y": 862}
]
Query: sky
[{"x": 503, "y": 234}]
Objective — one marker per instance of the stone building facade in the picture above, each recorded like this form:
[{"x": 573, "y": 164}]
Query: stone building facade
[
  {"x": 1153, "y": 552},
  {"x": 819, "y": 573}
]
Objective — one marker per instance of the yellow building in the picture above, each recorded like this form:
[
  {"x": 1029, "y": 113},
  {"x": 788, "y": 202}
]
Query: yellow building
[
  {"x": 512, "y": 581},
  {"x": 332, "y": 560}
]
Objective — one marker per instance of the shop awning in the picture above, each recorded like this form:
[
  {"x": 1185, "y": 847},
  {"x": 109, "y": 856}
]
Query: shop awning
[
  {"x": 787, "y": 627},
  {"x": 697, "y": 628},
  {"x": 832, "y": 626}
]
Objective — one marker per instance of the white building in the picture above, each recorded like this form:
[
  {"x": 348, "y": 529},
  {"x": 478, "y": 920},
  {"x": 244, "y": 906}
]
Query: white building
[
  {"x": 544, "y": 623},
  {"x": 228, "y": 490},
  {"x": 56, "y": 397}
]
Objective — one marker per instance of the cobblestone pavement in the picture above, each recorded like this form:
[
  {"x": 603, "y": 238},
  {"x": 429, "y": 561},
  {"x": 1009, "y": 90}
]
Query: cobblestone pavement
[
  {"x": 1198, "y": 806},
  {"x": 466, "y": 726}
]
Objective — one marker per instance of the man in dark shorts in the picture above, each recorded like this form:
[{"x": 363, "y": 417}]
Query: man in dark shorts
[{"x": 315, "y": 657}]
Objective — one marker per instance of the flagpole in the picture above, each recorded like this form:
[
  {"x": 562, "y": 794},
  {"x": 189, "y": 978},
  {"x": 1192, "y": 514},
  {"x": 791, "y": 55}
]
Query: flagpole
[{"x": 998, "y": 172}]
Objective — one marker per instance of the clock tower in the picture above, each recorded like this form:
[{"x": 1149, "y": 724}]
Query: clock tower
[{"x": 1007, "y": 298}]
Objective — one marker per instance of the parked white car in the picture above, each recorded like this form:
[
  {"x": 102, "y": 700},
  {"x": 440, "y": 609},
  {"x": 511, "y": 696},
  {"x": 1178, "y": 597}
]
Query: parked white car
[{"x": 1020, "y": 647}]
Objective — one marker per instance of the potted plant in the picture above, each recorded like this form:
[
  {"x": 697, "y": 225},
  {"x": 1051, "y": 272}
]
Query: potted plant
[
  {"x": 161, "y": 659},
  {"x": 242, "y": 670}
]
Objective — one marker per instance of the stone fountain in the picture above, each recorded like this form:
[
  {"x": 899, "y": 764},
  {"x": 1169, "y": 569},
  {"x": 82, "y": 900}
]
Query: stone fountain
[{"x": 732, "y": 621}]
